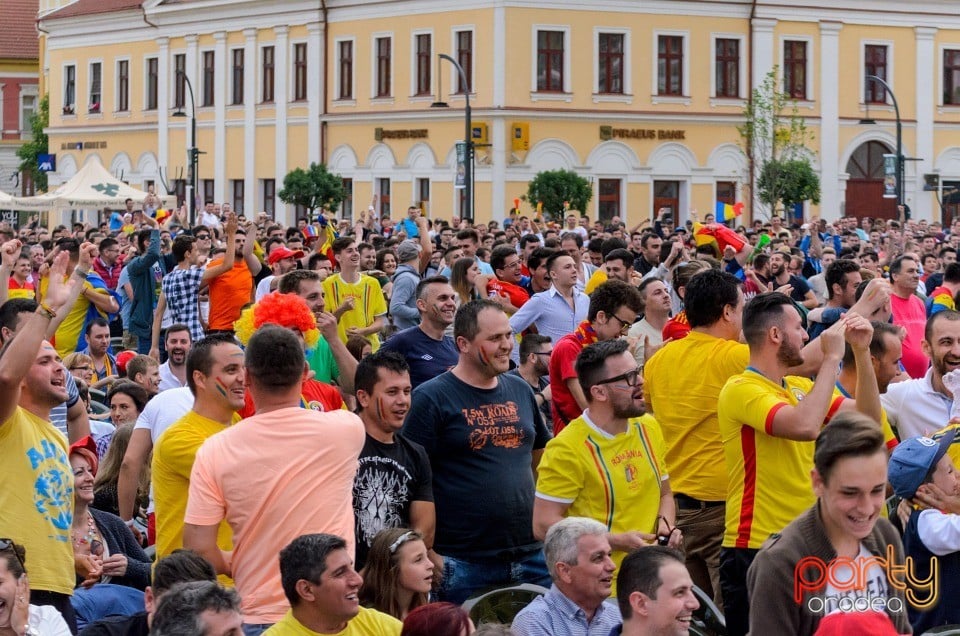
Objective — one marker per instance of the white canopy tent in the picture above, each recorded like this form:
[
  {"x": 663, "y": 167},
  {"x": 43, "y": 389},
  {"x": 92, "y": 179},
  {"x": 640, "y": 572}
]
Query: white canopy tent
[{"x": 92, "y": 187}]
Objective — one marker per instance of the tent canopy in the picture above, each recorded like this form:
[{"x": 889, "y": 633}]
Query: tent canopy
[{"x": 92, "y": 187}]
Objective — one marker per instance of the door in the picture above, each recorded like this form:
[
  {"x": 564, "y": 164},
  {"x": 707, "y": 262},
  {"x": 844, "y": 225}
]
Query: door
[
  {"x": 865, "y": 186},
  {"x": 608, "y": 203},
  {"x": 666, "y": 194}
]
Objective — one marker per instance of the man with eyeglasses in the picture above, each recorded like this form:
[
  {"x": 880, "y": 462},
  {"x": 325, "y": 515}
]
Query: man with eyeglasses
[
  {"x": 614, "y": 306},
  {"x": 534, "y": 367},
  {"x": 507, "y": 288},
  {"x": 607, "y": 464}
]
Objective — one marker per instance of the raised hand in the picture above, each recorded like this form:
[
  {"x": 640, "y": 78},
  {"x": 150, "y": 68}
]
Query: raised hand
[
  {"x": 831, "y": 340},
  {"x": 88, "y": 252},
  {"x": 231, "y": 226},
  {"x": 858, "y": 331},
  {"x": 59, "y": 287},
  {"x": 10, "y": 252}
]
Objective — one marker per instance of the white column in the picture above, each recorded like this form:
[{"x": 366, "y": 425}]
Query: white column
[
  {"x": 763, "y": 57},
  {"x": 499, "y": 56},
  {"x": 830, "y": 204},
  {"x": 280, "y": 98},
  {"x": 220, "y": 117},
  {"x": 922, "y": 203},
  {"x": 500, "y": 151},
  {"x": 163, "y": 108},
  {"x": 315, "y": 89},
  {"x": 250, "y": 98}
]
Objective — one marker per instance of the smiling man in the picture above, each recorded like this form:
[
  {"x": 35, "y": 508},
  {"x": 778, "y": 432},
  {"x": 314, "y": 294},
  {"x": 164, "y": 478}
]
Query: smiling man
[
  {"x": 173, "y": 372},
  {"x": 910, "y": 313},
  {"x": 578, "y": 557},
  {"x": 655, "y": 594}
]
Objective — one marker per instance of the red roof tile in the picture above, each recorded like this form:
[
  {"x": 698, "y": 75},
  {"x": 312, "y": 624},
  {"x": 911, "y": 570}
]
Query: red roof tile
[
  {"x": 19, "y": 20},
  {"x": 91, "y": 7}
]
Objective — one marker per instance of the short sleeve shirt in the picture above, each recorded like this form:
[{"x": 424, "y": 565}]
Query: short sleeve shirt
[
  {"x": 229, "y": 293},
  {"x": 427, "y": 357},
  {"x": 368, "y": 303}
]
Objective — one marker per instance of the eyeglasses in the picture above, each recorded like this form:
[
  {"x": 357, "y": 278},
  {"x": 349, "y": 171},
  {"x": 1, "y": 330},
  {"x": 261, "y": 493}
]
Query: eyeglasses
[
  {"x": 403, "y": 538},
  {"x": 624, "y": 325},
  {"x": 203, "y": 237},
  {"x": 7, "y": 544},
  {"x": 631, "y": 378}
]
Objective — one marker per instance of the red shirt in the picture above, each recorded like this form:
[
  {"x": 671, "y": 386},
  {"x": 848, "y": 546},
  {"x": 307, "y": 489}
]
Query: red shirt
[
  {"x": 911, "y": 314},
  {"x": 677, "y": 327},
  {"x": 563, "y": 405},
  {"x": 517, "y": 295},
  {"x": 314, "y": 395}
]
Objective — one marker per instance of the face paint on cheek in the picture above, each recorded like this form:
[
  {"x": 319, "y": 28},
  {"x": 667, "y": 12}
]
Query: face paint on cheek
[
  {"x": 380, "y": 408},
  {"x": 484, "y": 358},
  {"x": 221, "y": 386}
]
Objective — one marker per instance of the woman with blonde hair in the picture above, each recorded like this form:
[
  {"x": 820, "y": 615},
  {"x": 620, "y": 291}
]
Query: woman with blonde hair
[
  {"x": 466, "y": 280},
  {"x": 398, "y": 574}
]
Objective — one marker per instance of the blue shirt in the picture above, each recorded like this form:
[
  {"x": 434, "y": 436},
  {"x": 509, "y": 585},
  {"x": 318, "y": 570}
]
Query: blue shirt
[
  {"x": 551, "y": 313},
  {"x": 427, "y": 357},
  {"x": 553, "y": 614}
]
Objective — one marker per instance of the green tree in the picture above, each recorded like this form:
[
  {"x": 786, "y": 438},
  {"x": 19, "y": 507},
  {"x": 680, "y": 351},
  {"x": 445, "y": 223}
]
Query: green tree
[
  {"x": 29, "y": 152},
  {"x": 553, "y": 188},
  {"x": 774, "y": 137},
  {"x": 313, "y": 188}
]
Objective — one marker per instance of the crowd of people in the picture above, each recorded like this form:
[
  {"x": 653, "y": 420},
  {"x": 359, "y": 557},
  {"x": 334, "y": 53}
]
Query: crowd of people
[{"x": 361, "y": 426}]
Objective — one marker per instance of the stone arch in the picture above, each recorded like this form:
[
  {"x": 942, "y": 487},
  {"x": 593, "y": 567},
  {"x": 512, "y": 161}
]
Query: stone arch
[
  {"x": 874, "y": 134},
  {"x": 948, "y": 163},
  {"x": 421, "y": 157},
  {"x": 66, "y": 166},
  {"x": 672, "y": 158},
  {"x": 121, "y": 167},
  {"x": 613, "y": 157},
  {"x": 147, "y": 165},
  {"x": 552, "y": 154},
  {"x": 727, "y": 160},
  {"x": 381, "y": 157},
  {"x": 342, "y": 159}
]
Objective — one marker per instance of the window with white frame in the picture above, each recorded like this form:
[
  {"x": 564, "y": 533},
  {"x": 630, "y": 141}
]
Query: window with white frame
[
  {"x": 28, "y": 108},
  {"x": 611, "y": 60},
  {"x": 152, "y": 87},
  {"x": 423, "y": 63},
  {"x": 383, "y": 66},
  {"x": 179, "y": 80},
  {"x": 69, "y": 88},
  {"x": 345, "y": 69},
  {"x": 237, "y": 76},
  {"x": 209, "y": 77},
  {"x": 550, "y": 48},
  {"x": 463, "y": 42},
  {"x": 670, "y": 65},
  {"x": 726, "y": 61},
  {"x": 123, "y": 86},
  {"x": 96, "y": 86},
  {"x": 795, "y": 69},
  {"x": 267, "y": 74},
  {"x": 300, "y": 72}
]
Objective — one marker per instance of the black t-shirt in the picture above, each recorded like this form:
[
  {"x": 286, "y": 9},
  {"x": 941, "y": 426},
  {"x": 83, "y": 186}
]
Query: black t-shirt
[
  {"x": 135, "y": 625},
  {"x": 427, "y": 357},
  {"x": 542, "y": 382},
  {"x": 480, "y": 443},
  {"x": 800, "y": 288},
  {"x": 389, "y": 478}
]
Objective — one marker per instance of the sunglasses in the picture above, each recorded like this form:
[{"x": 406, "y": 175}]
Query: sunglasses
[{"x": 7, "y": 544}]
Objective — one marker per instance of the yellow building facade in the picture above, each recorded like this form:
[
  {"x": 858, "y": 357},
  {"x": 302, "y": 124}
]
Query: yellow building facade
[{"x": 643, "y": 99}]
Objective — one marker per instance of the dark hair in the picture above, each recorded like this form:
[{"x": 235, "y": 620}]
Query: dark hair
[
  {"x": 342, "y": 243},
  {"x": 107, "y": 243},
  {"x": 290, "y": 282},
  {"x": 538, "y": 256},
  {"x": 947, "y": 248},
  {"x": 436, "y": 619},
  {"x": 181, "y": 245},
  {"x": 179, "y": 610},
  {"x": 10, "y": 311},
  {"x": 177, "y": 328},
  {"x": 611, "y": 244},
  {"x": 200, "y": 357},
  {"x": 762, "y": 312},
  {"x": 368, "y": 370},
  {"x": 136, "y": 392},
  {"x": 274, "y": 358},
  {"x": 640, "y": 572},
  {"x": 878, "y": 345},
  {"x": 528, "y": 238},
  {"x": 872, "y": 255},
  {"x": 685, "y": 272},
  {"x": 15, "y": 557},
  {"x": 897, "y": 264},
  {"x": 947, "y": 314},
  {"x": 530, "y": 343},
  {"x": 572, "y": 236},
  {"x": 612, "y": 295},
  {"x": 426, "y": 282},
  {"x": 143, "y": 239},
  {"x": 180, "y": 566},
  {"x": 619, "y": 254},
  {"x": 468, "y": 235},
  {"x": 356, "y": 344},
  {"x": 305, "y": 559},
  {"x": 849, "y": 434},
  {"x": 592, "y": 360},
  {"x": 951, "y": 273},
  {"x": 466, "y": 323},
  {"x": 646, "y": 239},
  {"x": 96, "y": 322},
  {"x": 707, "y": 294},
  {"x": 836, "y": 273},
  {"x": 556, "y": 255},
  {"x": 382, "y": 254},
  {"x": 315, "y": 258},
  {"x": 499, "y": 256}
]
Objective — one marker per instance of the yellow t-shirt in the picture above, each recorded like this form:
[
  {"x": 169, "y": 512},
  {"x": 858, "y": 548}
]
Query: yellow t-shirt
[
  {"x": 37, "y": 499},
  {"x": 613, "y": 479},
  {"x": 682, "y": 384},
  {"x": 768, "y": 477},
  {"x": 598, "y": 278},
  {"x": 69, "y": 336},
  {"x": 173, "y": 458},
  {"x": 368, "y": 303},
  {"x": 954, "y": 451},
  {"x": 369, "y": 622}
]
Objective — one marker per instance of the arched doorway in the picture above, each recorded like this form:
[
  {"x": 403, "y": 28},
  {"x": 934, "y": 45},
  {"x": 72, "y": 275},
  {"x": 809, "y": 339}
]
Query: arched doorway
[{"x": 865, "y": 185}]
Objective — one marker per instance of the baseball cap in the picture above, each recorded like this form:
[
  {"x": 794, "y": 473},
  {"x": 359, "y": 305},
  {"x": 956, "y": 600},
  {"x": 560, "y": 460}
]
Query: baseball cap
[
  {"x": 123, "y": 358},
  {"x": 844, "y": 623},
  {"x": 913, "y": 459},
  {"x": 407, "y": 251},
  {"x": 281, "y": 253}
]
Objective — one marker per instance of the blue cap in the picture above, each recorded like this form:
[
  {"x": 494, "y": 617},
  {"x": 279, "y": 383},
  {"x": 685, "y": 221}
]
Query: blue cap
[{"x": 913, "y": 459}]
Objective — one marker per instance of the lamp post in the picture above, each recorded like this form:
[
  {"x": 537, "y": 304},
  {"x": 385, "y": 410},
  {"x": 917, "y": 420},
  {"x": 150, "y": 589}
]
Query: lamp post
[
  {"x": 467, "y": 137},
  {"x": 192, "y": 152},
  {"x": 900, "y": 157}
]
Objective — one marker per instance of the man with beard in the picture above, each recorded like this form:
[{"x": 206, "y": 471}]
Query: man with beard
[
  {"x": 173, "y": 372},
  {"x": 232, "y": 290},
  {"x": 425, "y": 347},
  {"x": 800, "y": 290},
  {"x": 281, "y": 260},
  {"x": 921, "y": 407},
  {"x": 535, "y": 352},
  {"x": 484, "y": 435},
  {"x": 768, "y": 422},
  {"x": 607, "y": 464},
  {"x": 910, "y": 313},
  {"x": 393, "y": 487}
]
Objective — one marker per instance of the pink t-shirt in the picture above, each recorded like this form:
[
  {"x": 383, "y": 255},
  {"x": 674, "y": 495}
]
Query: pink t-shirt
[
  {"x": 274, "y": 477},
  {"x": 911, "y": 314}
]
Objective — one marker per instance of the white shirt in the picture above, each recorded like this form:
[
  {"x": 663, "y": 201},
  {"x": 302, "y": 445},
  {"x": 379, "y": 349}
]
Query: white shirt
[
  {"x": 161, "y": 413},
  {"x": 915, "y": 408},
  {"x": 263, "y": 287},
  {"x": 939, "y": 532},
  {"x": 46, "y": 620},
  {"x": 167, "y": 379}
]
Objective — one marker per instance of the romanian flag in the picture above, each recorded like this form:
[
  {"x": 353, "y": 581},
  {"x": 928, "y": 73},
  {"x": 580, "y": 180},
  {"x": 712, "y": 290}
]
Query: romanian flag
[
  {"x": 328, "y": 234},
  {"x": 726, "y": 212},
  {"x": 717, "y": 235}
]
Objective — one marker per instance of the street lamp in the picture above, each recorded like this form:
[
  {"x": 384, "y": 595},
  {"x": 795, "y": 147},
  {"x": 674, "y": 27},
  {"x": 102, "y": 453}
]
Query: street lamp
[
  {"x": 192, "y": 152},
  {"x": 900, "y": 157},
  {"x": 468, "y": 134}
]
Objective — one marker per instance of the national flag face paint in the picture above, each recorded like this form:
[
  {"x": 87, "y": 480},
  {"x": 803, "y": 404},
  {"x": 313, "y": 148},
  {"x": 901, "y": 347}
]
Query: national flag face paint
[
  {"x": 484, "y": 358},
  {"x": 221, "y": 386}
]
